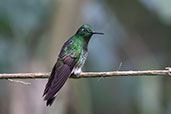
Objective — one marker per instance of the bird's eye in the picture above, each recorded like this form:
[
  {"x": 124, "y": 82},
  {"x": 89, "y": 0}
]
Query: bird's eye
[{"x": 84, "y": 30}]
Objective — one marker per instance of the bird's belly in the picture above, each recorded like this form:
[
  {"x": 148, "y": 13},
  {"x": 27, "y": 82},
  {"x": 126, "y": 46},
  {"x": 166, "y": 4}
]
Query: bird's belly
[{"x": 77, "y": 70}]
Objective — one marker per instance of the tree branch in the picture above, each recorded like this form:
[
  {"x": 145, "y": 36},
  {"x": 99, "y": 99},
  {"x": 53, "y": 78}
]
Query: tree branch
[{"x": 165, "y": 72}]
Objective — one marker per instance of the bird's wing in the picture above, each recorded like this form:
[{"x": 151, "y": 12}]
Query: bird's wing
[
  {"x": 50, "y": 79},
  {"x": 57, "y": 66},
  {"x": 58, "y": 78},
  {"x": 60, "y": 73}
]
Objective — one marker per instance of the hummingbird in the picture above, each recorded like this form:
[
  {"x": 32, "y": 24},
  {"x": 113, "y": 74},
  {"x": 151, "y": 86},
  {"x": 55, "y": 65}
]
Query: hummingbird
[{"x": 70, "y": 60}]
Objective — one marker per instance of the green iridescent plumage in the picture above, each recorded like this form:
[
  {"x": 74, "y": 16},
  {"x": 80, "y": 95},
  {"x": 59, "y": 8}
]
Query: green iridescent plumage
[{"x": 70, "y": 60}]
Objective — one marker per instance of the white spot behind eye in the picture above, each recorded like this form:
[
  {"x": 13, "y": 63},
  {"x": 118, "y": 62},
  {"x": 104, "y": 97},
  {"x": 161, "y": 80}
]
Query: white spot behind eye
[{"x": 83, "y": 30}]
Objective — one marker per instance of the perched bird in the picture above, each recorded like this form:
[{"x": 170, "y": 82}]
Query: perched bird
[{"x": 70, "y": 60}]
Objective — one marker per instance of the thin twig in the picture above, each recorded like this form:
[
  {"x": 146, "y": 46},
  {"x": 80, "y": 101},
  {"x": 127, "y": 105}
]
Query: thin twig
[
  {"x": 19, "y": 81},
  {"x": 120, "y": 65},
  {"x": 165, "y": 72}
]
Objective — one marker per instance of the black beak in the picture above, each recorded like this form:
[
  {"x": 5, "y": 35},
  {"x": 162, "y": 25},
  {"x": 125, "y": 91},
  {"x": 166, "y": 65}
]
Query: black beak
[{"x": 98, "y": 33}]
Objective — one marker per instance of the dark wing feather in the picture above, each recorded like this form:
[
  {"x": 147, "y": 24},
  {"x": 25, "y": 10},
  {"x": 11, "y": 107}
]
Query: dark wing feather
[
  {"x": 59, "y": 80},
  {"x": 50, "y": 80},
  {"x": 59, "y": 75}
]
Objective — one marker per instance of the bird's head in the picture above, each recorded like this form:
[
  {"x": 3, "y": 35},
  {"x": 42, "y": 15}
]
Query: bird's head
[{"x": 85, "y": 31}]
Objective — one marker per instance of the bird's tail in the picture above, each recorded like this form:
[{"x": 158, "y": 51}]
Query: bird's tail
[{"x": 50, "y": 101}]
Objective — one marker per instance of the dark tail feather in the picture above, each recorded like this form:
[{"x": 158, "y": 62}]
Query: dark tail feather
[{"x": 50, "y": 101}]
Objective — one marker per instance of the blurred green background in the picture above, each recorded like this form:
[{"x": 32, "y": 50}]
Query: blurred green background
[{"x": 137, "y": 34}]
